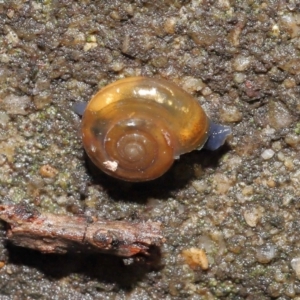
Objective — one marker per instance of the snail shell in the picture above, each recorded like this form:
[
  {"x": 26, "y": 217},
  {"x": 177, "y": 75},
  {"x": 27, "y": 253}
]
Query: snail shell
[{"x": 134, "y": 128}]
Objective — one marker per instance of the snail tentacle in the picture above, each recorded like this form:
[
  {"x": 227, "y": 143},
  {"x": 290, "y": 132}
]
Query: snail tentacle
[
  {"x": 79, "y": 107},
  {"x": 217, "y": 135}
]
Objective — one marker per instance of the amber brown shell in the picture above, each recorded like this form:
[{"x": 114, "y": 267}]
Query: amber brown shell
[{"x": 134, "y": 128}]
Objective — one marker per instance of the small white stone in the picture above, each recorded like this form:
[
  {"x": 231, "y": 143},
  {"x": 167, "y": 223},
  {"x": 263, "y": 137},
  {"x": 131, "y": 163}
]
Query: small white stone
[
  {"x": 275, "y": 30},
  {"x": 265, "y": 253},
  {"x": 12, "y": 38},
  {"x": 200, "y": 186},
  {"x": 268, "y": 131},
  {"x": 253, "y": 215},
  {"x": 241, "y": 63},
  {"x": 239, "y": 77},
  {"x": 89, "y": 46},
  {"x": 267, "y": 154},
  {"x": 192, "y": 84},
  {"x": 15, "y": 105},
  {"x": 111, "y": 165},
  {"x": 61, "y": 200},
  {"x": 4, "y": 118},
  {"x": 4, "y": 58},
  {"x": 295, "y": 263}
]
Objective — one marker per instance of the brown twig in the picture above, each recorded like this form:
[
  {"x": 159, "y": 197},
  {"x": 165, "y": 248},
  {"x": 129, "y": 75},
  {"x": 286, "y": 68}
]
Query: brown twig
[{"x": 51, "y": 233}]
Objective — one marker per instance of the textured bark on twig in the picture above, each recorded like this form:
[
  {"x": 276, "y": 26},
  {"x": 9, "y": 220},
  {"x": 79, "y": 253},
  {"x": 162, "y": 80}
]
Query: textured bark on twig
[{"x": 51, "y": 233}]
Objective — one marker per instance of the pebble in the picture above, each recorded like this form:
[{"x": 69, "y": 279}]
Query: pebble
[
  {"x": 277, "y": 146},
  {"x": 275, "y": 30},
  {"x": 42, "y": 99},
  {"x": 247, "y": 190},
  {"x": 206, "y": 243},
  {"x": 200, "y": 186},
  {"x": 62, "y": 200},
  {"x": 89, "y": 46},
  {"x": 279, "y": 276},
  {"x": 230, "y": 114},
  {"x": 10, "y": 13},
  {"x": 293, "y": 140},
  {"x": 295, "y": 263},
  {"x": 239, "y": 77},
  {"x": 12, "y": 38},
  {"x": 271, "y": 183},
  {"x": 268, "y": 131},
  {"x": 279, "y": 116},
  {"x": 195, "y": 257},
  {"x": 222, "y": 183},
  {"x": 267, "y": 154},
  {"x": 16, "y": 105},
  {"x": 289, "y": 83},
  {"x": 2, "y": 159},
  {"x": 292, "y": 66},
  {"x": 291, "y": 22},
  {"x": 290, "y": 290},
  {"x": 4, "y": 118},
  {"x": 170, "y": 25},
  {"x": 241, "y": 63},
  {"x": 253, "y": 215},
  {"x": 192, "y": 84},
  {"x": 48, "y": 171},
  {"x": 206, "y": 91},
  {"x": 265, "y": 253}
]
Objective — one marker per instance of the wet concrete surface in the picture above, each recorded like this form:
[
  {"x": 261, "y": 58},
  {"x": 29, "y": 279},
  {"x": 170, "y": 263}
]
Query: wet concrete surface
[{"x": 239, "y": 204}]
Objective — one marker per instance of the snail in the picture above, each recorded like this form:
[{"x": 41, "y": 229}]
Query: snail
[{"x": 134, "y": 128}]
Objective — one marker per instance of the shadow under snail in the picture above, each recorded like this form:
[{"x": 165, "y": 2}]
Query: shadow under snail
[{"x": 134, "y": 128}]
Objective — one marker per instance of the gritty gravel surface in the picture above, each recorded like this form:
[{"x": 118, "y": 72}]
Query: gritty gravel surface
[{"x": 238, "y": 207}]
